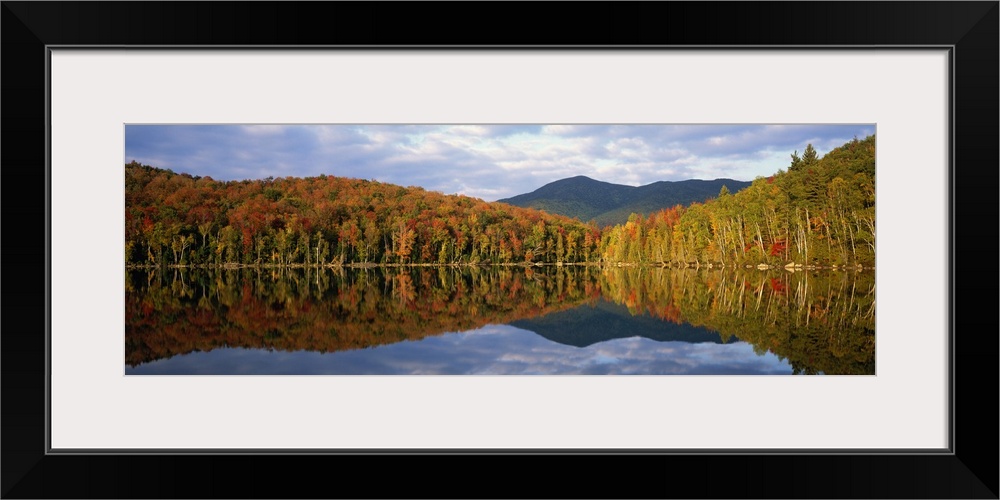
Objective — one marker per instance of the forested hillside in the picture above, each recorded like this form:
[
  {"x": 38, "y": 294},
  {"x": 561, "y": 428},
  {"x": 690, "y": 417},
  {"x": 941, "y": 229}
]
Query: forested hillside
[
  {"x": 179, "y": 219},
  {"x": 821, "y": 211}
]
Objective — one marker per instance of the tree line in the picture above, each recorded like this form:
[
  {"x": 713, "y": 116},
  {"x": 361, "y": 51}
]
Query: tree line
[{"x": 820, "y": 211}]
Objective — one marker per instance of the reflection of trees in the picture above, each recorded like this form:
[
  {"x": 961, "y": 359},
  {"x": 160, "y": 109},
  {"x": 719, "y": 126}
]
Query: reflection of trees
[
  {"x": 819, "y": 322},
  {"x": 181, "y": 311}
]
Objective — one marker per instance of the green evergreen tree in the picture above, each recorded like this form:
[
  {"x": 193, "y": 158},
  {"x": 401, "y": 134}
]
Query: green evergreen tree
[
  {"x": 796, "y": 161},
  {"x": 809, "y": 156}
]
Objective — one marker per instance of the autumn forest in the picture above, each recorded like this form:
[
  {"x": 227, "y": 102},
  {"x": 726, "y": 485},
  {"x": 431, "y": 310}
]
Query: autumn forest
[{"x": 817, "y": 212}]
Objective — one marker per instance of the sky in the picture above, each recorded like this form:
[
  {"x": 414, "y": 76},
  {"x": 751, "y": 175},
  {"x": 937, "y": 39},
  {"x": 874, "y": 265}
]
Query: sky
[{"x": 483, "y": 161}]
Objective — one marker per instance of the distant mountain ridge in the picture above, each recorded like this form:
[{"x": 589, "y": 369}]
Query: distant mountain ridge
[{"x": 609, "y": 204}]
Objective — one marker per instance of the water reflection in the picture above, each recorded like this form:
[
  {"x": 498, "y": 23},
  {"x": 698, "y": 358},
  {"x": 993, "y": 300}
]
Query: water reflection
[
  {"x": 491, "y": 350},
  {"x": 448, "y": 321}
]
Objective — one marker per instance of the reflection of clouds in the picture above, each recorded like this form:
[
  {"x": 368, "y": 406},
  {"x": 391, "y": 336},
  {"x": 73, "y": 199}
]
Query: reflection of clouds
[
  {"x": 488, "y": 161},
  {"x": 491, "y": 350}
]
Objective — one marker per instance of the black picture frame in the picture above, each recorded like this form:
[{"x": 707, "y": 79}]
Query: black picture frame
[{"x": 970, "y": 29}]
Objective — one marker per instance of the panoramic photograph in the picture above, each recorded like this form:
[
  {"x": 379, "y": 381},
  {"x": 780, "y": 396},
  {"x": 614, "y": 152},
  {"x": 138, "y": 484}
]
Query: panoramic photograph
[{"x": 500, "y": 249}]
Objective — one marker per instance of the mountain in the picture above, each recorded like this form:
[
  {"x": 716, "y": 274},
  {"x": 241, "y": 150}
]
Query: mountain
[
  {"x": 586, "y": 325},
  {"x": 609, "y": 204}
]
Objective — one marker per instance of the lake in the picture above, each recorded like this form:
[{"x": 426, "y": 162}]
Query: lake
[{"x": 500, "y": 320}]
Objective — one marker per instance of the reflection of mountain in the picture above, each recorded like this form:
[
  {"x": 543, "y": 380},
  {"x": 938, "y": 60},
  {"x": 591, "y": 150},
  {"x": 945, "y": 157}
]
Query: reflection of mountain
[
  {"x": 200, "y": 310},
  {"x": 589, "y": 324},
  {"x": 819, "y": 322}
]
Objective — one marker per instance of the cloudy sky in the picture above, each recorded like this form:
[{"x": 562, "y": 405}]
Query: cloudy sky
[{"x": 484, "y": 161}]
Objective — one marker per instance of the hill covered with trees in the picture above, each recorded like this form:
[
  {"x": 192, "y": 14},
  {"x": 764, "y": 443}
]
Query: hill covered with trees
[
  {"x": 820, "y": 211},
  {"x": 179, "y": 219},
  {"x": 608, "y": 204}
]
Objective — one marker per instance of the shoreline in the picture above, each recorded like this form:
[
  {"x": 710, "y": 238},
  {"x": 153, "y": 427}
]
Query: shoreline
[{"x": 791, "y": 267}]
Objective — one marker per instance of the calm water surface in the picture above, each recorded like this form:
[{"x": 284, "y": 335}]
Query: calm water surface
[{"x": 571, "y": 320}]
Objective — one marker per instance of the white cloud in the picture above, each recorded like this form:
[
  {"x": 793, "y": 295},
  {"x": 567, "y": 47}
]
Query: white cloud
[{"x": 264, "y": 129}]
